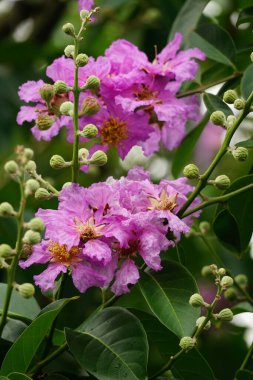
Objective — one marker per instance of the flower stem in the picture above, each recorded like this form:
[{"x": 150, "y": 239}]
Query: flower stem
[
  {"x": 48, "y": 359},
  {"x": 75, "y": 160},
  {"x": 247, "y": 358},
  {"x": 11, "y": 271},
  {"x": 222, "y": 151}
]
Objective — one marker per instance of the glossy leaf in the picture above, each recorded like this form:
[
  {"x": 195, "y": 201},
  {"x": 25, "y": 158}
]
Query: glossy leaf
[
  {"x": 246, "y": 15},
  {"x": 247, "y": 82},
  {"x": 215, "y": 42},
  {"x": 13, "y": 329},
  {"x": 166, "y": 295},
  {"x": 112, "y": 346},
  {"x": 18, "y": 376},
  {"x": 214, "y": 103},
  {"x": 27, "y": 307},
  {"x": 188, "y": 17},
  {"x": 226, "y": 229},
  {"x": 20, "y": 355}
]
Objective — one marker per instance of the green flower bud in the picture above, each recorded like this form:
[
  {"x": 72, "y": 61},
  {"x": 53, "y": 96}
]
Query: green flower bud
[
  {"x": 36, "y": 224},
  {"x": 69, "y": 51},
  {"x": 44, "y": 122},
  {"x": 57, "y": 162},
  {"x": 204, "y": 227},
  {"x": 251, "y": 57},
  {"x": 26, "y": 290},
  {"x": 218, "y": 118},
  {"x": 230, "y": 96},
  {"x": 3, "y": 264},
  {"x": 31, "y": 237},
  {"x": 60, "y": 87},
  {"x": 200, "y": 321},
  {"x": 221, "y": 272},
  {"x": 42, "y": 194},
  {"x": 225, "y": 315},
  {"x": 82, "y": 60},
  {"x": 84, "y": 14},
  {"x": 239, "y": 104},
  {"x": 99, "y": 158},
  {"x": 92, "y": 83},
  {"x": 83, "y": 154},
  {"x": 240, "y": 153},
  {"x": 66, "y": 184},
  {"x": 6, "y": 209},
  {"x": 29, "y": 153},
  {"x": 191, "y": 171},
  {"x": 47, "y": 92},
  {"x": 196, "y": 300},
  {"x": 31, "y": 186},
  {"x": 206, "y": 271},
  {"x": 90, "y": 106},
  {"x": 230, "y": 294},
  {"x": 69, "y": 29},
  {"x": 11, "y": 167},
  {"x": 222, "y": 182},
  {"x": 6, "y": 251},
  {"x": 230, "y": 121},
  {"x": 90, "y": 131},
  {"x": 241, "y": 280},
  {"x": 226, "y": 282},
  {"x": 30, "y": 166},
  {"x": 67, "y": 108},
  {"x": 187, "y": 343}
]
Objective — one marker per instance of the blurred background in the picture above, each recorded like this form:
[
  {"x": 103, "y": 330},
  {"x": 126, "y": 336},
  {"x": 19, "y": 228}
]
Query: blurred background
[{"x": 31, "y": 38}]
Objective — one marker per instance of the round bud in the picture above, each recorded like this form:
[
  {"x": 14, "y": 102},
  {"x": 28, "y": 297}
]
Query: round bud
[
  {"x": 44, "y": 122},
  {"x": 5, "y": 251},
  {"x": 230, "y": 294},
  {"x": 230, "y": 96},
  {"x": 84, "y": 14},
  {"x": 240, "y": 153},
  {"x": 92, "y": 83},
  {"x": 221, "y": 272},
  {"x": 90, "y": 106},
  {"x": 225, "y": 315},
  {"x": 241, "y": 280},
  {"x": 90, "y": 131},
  {"x": 67, "y": 108},
  {"x": 42, "y": 194},
  {"x": 239, "y": 104},
  {"x": 31, "y": 237},
  {"x": 6, "y": 209},
  {"x": 83, "y": 154},
  {"x": 69, "y": 51},
  {"x": 31, "y": 186},
  {"x": 60, "y": 87},
  {"x": 187, "y": 343},
  {"x": 204, "y": 227},
  {"x": 82, "y": 60},
  {"x": 206, "y": 271},
  {"x": 26, "y": 290},
  {"x": 36, "y": 224},
  {"x": 230, "y": 121},
  {"x": 222, "y": 182},
  {"x": 226, "y": 282},
  {"x": 31, "y": 166},
  {"x": 191, "y": 171},
  {"x": 29, "y": 153},
  {"x": 57, "y": 162},
  {"x": 11, "y": 167},
  {"x": 47, "y": 92},
  {"x": 200, "y": 321},
  {"x": 99, "y": 158},
  {"x": 69, "y": 29},
  {"x": 251, "y": 57},
  {"x": 66, "y": 184},
  {"x": 196, "y": 300},
  {"x": 218, "y": 118}
]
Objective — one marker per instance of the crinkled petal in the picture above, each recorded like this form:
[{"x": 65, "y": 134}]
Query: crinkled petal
[
  {"x": 49, "y": 133},
  {"x": 151, "y": 244},
  {"x": 62, "y": 69},
  {"x": 26, "y": 113},
  {"x": 46, "y": 280},
  {"x": 85, "y": 276},
  {"x": 126, "y": 275},
  {"x": 39, "y": 255},
  {"x": 98, "y": 251},
  {"x": 29, "y": 91},
  {"x": 170, "y": 50}
]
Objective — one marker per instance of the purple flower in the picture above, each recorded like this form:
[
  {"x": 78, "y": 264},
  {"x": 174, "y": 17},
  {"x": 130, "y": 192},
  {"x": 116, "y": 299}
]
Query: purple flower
[{"x": 85, "y": 4}]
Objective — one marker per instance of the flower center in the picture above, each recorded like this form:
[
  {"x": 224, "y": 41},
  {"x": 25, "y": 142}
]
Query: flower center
[
  {"x": 131, "y": 251},
  {"x": 145, "y": 93},
  {"x": 113, "y": 131},
  {"x": 60, "y": 253},
  {"x": 88, "y": 230},
  {"x": 164, "y": 203}
]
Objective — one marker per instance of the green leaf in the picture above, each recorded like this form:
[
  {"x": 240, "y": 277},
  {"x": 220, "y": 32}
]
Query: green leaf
[
  {"x": 188, "y": 17},
  {"x": 113, "y": 345},
  {"x": 27, "y": 307},
  {"x": 246, "y": 15},
  {"x": 13, "y": 329},
  {"x": 18, "y": 376},
  {"x": 247, "y": 82},
  {"x": 246, "y": 143},
  {"x": 184, "y": 152},
  {"x": 244, "y": 375},
  {"x": 214, "y": 103},
  {"x": 3, "y": 378},
  {"x": 242, "y": 307},
  {"x": 215, "y": 42},
  {"x": 226, "y": 229},
  {"x": 166, "y": 295},
  {"x": 20, "y": 355}
]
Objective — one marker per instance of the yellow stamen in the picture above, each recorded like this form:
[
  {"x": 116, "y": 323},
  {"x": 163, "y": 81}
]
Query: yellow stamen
[
  {"x": 163, "y": 203},
  {"x": 60, "y": 253},
  {"x": 114, "y": 131}
]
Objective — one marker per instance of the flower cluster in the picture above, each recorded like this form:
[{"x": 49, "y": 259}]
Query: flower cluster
[
  {"x": 135, "y": 105},
  {"x": 101, "y": 234}
]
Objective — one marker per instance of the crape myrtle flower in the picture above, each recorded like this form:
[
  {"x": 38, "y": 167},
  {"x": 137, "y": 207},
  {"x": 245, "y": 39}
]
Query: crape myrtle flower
[
  {"x": 85, "y": 4},
  {"x": 99, "y": 234}
]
